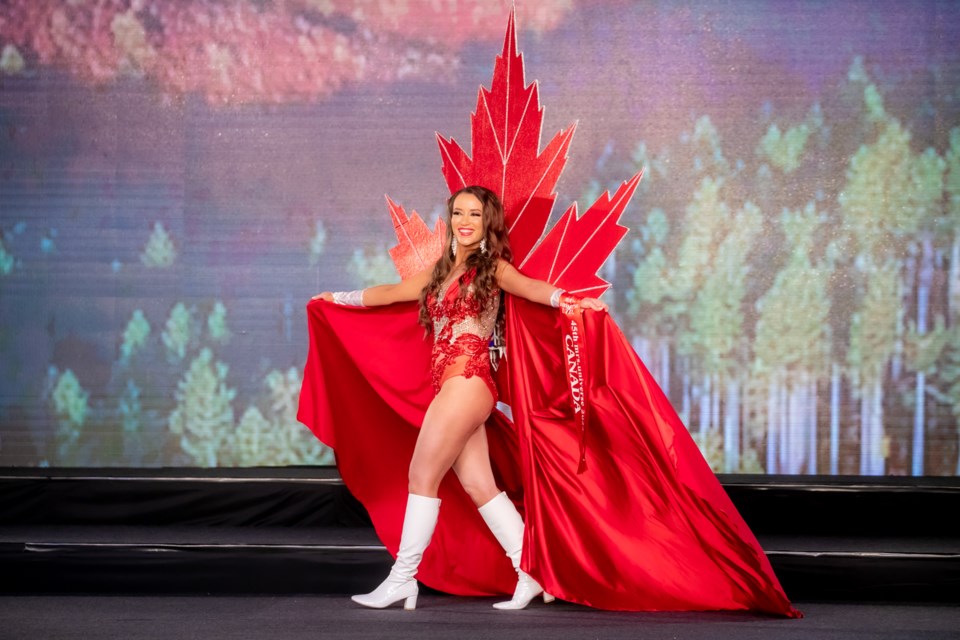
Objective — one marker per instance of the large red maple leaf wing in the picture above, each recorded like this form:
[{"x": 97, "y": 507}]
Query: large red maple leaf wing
[
  {"x": 505, "y": 136},
  {"x": 417, "y": 248},
  {"x": 576, "y": 247}
]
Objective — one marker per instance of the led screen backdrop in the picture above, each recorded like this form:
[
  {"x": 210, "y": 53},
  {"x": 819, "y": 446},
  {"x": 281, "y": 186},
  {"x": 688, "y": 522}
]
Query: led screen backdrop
[{"x": 177, "y": 179}]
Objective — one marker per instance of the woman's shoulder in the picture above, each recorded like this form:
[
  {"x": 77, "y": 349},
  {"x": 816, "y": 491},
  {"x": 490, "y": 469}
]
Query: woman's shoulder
[{"x": 503, "y": 266}]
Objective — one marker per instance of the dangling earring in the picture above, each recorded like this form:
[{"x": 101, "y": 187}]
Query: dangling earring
[
  {"x": 453, "y": 247},
  {"x": 483, "y": 246}
]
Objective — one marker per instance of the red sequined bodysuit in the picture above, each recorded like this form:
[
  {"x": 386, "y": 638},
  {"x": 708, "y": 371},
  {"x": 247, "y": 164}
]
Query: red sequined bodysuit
[{"x": 461, "y": 333}]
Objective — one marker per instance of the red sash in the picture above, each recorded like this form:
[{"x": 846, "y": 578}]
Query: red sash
[{"x": 574, "y": 356}]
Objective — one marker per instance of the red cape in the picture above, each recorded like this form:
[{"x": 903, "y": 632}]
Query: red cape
[{"x": 645, "y": 527}]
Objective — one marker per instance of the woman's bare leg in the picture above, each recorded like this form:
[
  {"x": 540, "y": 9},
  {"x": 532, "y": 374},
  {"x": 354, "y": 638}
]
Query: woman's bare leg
[
  {"x": 462, "y": 405},
  {"x": 454, "y": 415},
  {"x": 474, "y": 470},
  {"x": 476, "y": 475}
]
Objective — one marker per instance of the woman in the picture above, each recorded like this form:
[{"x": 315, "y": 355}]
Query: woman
[
  {"x": 460, "y": 304},
  {"x": 621, "y": 511}
]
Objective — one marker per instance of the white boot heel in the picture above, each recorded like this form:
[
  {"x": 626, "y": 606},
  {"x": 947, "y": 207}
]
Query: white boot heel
[
  {"x": 527, "y": 589},
  {"x": 392, "y": 590},
  {"x": 547, "y": 598},
  {"x": 507, "y": 527},
  {"x": 419, "y": 521}
]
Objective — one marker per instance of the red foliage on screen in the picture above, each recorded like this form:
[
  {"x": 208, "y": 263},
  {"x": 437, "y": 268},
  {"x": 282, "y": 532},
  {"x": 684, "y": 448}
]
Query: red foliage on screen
[{"x": 249, "y": 51}]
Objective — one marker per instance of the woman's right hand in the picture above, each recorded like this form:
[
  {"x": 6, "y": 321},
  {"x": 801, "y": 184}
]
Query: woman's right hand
[{"x": 326, "y": 295}]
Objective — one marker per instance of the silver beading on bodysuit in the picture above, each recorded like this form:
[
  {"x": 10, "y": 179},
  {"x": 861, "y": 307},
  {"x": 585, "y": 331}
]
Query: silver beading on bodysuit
[{"x": 481, "y": 325}]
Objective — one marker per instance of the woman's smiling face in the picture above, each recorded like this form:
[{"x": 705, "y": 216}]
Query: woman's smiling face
[{"x": 467, "y": 221}]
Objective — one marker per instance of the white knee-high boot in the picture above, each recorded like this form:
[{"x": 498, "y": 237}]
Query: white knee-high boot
[
  {"x": 419, "y": 521},
  {"x": 507, "y": 527}
]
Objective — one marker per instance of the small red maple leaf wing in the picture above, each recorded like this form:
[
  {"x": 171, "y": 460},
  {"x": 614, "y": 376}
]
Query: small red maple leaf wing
[
  {"x": 505, "y": 136},
  {"x": 417, "y": 247},
  {"x": 576, "y": 247}
]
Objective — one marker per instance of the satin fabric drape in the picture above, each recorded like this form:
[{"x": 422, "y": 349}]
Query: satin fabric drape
[{"x": 646, "y": 526}]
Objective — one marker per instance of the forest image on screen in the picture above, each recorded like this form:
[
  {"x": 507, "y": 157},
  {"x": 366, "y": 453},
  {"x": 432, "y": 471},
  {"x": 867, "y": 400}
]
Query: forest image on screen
[{"x": 178, "y": 179}]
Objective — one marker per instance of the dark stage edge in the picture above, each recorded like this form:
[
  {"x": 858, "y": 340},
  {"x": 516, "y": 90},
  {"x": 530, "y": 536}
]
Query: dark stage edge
[
  {"x": 299, "y": 531},
  {"x": 441, "y": 616}
]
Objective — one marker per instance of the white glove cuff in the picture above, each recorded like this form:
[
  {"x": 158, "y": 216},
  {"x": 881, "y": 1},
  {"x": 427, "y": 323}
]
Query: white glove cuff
[
  {"x": 555, "y": 298},
  {"x": 352, "y": 298}
]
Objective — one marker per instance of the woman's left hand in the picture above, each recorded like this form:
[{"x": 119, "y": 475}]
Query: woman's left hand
[{"x": 593, "y": 303}]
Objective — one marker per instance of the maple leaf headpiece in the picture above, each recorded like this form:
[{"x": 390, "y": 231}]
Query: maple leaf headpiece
[{"x": 505, "y": 138}]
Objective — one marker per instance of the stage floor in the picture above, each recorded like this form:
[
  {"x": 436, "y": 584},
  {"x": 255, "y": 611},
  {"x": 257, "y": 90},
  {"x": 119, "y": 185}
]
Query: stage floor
[{"x": 441, "y": 616}]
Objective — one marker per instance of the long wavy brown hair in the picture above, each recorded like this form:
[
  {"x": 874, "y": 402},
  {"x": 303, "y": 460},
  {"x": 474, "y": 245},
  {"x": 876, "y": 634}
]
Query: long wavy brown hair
[{"x": 485, "y": 263}]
